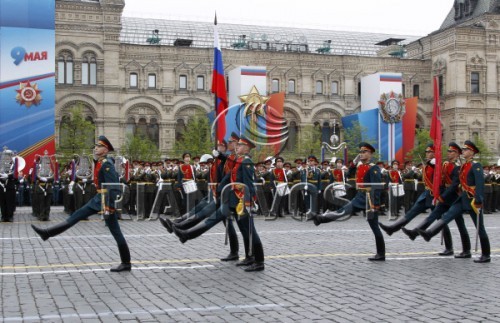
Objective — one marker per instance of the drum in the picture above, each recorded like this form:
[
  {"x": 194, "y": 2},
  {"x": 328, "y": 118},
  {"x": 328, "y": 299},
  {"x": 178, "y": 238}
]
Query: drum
[
  {"x": 339, "y": 190},
  {"x": 189, "y": 186},
  {"x": 282, "y": 189},
  {"x": 397, "y": 190}
]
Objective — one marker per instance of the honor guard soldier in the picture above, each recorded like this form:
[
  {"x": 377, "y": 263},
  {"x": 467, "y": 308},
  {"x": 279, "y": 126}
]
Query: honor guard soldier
[
  {"x": 149, "y": 178},
  {"x": 408, "y": 185},
  {"x": 278, "y": 179},
  {"x": 104, "y": 172},
  {"x": 365, "y": 173},
  {"x": 186, "y": 173},
  {"x": 423, "y": 202},
  {"x": 395, "y": 179},
  {"x": 471, "y": 201},
  {"x": 447, "y": 195}
]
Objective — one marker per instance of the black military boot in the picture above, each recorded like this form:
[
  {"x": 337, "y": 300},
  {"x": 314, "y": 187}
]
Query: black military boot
[
  {"x": 327, "y": 217},
  {"x": 390, "y": 229},
  {"x": 125, "y": 258},
  {"x": 194, "y": 232},
  {"x": 413, "y": 233},
  {"x": 380, "y": 256},
  {"x": 448, "y": 242},
  {"x": 258, "y": 264},
  {"x": 53, "y": 230},
  {"x": 432, "y": 231},
  {"x": 167, "y": 224}
]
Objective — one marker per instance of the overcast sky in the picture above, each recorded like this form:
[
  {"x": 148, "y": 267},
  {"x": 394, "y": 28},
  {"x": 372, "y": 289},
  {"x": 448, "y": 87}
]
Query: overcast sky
[{"x": 405, "y": 17}]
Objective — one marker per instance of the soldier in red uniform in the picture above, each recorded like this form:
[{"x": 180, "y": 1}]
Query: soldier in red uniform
[
  {"x": 395, "y": 194},
  {"x": 279, "y": 182},
  {"x": 471, "y": 201}
]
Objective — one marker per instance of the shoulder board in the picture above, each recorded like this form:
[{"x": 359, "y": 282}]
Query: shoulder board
[
  {"x": 104, "y": 160},
  {"x": 371, "y": 164},
  {"x": 474, "y": 162}
]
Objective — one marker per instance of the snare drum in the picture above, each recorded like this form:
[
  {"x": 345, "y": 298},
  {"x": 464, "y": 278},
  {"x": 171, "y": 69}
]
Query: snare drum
[
  {"x": 189, "y": 186},
  {"x": 282, "y": 189},
  {"x": 397, "y": 190},
  {"x": 339, "y": 190}
]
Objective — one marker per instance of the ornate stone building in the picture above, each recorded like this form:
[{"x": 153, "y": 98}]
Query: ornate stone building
[{"x": 150, "y": 76}]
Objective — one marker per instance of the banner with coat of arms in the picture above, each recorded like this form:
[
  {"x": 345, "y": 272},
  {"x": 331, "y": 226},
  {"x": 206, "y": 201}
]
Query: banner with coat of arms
[{"x": 27, "y": 76}]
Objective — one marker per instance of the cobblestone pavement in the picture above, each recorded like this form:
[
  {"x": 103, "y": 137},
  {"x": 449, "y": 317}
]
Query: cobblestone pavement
[{"x": 312, "y": 274}]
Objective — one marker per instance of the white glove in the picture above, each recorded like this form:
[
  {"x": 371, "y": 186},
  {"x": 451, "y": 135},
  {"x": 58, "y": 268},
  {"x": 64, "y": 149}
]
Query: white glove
[
  {"x": 413, "y": 168},
  {"x": 215, "y": 153},
  {"x": 4, "y": 176},
  {"x": 43, "y": 179},
  {"x": 433, "y": 161},
  {"x": 356, "y": 159},
  {"x": 84, "y": 180}
]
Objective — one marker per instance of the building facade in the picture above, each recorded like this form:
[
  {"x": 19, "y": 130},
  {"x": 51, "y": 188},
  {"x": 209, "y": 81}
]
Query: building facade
[{"x": 142, "y": 76}]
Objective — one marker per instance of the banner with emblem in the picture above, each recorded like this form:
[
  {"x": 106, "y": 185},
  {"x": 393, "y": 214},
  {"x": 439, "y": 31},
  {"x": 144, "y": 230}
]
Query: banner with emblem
[{"x": 27, "y": 82}]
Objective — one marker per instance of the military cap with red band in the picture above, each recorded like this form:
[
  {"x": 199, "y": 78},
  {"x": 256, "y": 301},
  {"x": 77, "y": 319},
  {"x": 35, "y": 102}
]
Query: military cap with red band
[
  {"x": 103, "y": 141},
  {"x": 470, "y": 145}
]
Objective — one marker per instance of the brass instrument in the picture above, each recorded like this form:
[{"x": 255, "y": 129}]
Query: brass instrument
[
  {"x": 7, "y": 161},
  {"x": 46, "y": 166},
  {"x": 240, "y": 208},
  {"x": 84, "y": 166}
]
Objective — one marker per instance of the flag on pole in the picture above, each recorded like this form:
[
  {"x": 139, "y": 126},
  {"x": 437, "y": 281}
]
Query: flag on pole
[
  {"x": 436, "y": 136},
  {"x": 219, "y": 87}
]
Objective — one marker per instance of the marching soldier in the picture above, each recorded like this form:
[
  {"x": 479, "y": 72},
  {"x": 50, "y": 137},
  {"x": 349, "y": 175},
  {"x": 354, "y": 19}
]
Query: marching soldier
[
  {"x": 470, "y": 201},
  {"x": 365, "y": 172},
  {"x": 104, "y": 172},
  {"x": 448, "y": 194},
  {"x": 311, "y": 175},
  {"x": 423, "y": 202}
]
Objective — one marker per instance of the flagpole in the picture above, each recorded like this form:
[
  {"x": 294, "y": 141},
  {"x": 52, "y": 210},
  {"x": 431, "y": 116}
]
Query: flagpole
[{"x": 215, "y": 101}]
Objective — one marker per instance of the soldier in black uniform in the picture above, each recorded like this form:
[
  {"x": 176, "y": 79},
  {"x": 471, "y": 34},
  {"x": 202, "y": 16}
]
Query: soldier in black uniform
[
  {"x": 408, "y": 174},
  {"x": 104, "y": 173},
  {"x": 8, "y": 187}
]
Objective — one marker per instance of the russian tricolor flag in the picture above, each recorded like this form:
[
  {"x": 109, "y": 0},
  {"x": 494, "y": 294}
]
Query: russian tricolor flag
[{"x": 219, "y": 87}]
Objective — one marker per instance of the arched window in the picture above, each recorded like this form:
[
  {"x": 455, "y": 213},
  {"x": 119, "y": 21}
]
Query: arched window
[
  {"x": 133, "y": 80},
  {"x": 292, "y": 136},
  {"x": 130, "y": 127},
  {"x": 335, "y": 88},
  {"x": 89, "y": 69},
  {"x": 152, "y": 81},
  {"x": 154, "y": 132},
  {"x": 416, "y": 90},
  {"x": 65, "y": 68},
  {"x": 200, "y": 83},
  {"x": 183, "y": 82},
  {"x": 142, "y": 128},
  {"x": 291, "y": 86},
  {"x": 275, "y": 86},
  {"x": 179, "y": 129},
  {"x": 319, "y": 87}
]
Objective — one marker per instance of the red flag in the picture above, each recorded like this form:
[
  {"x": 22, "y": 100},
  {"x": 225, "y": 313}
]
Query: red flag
[
  {"x": 219, "y": 87},
  {"x": 436, "y": 136}
]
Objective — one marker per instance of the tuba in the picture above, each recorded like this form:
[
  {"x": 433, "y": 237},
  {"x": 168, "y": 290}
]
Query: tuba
[
  {"x": 46, "y": 166},
  {"x": 10, "y": 163},
  {"x": 84, "y": 167}
]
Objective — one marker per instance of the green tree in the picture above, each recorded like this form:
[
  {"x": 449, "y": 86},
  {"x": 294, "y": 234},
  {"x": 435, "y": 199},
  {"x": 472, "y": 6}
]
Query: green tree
[
  {"x": 137, "y": 147},
  {"x": 353, "y": 136},
  {"x": 485, "y": 157},
  {"x": 77, "y": 134},
  {"x": 196, "y": 137},
  {"x": 308, "y": 143},
  {"x": 422, "y": 139}
]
